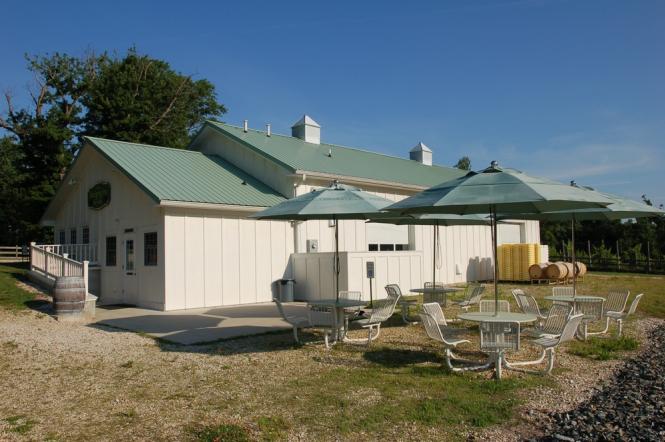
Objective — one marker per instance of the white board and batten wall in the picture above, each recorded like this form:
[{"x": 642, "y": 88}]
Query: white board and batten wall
[{"x": 215, "y": 258}]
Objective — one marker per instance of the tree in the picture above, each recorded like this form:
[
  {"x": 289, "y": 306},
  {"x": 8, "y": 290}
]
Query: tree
[
  {"x": 141, "y": 99},
  {"x": 129, "y": 98},
  {"x": 463, "y": 163}
]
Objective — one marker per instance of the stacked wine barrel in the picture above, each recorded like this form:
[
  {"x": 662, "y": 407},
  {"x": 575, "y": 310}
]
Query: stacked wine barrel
[{"x": 556, "y": 270}]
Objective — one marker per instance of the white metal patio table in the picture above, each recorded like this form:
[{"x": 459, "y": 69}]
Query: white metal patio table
[
  {"x": 338, "y": 306},
  {"x": 437, "y": 292},
  {"x": 573, "y": 299},
  {"x": 494, "y": 358}
]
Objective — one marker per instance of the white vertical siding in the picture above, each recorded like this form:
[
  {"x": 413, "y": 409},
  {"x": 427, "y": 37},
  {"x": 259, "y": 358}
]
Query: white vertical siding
[{"x": 225, "y": 258}]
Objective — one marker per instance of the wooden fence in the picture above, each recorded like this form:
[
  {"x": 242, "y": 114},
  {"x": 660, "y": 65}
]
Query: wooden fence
[{"x": 14, "y": 254}]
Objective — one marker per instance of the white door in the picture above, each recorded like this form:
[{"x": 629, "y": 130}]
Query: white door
[{"x": 129, "y": 278}]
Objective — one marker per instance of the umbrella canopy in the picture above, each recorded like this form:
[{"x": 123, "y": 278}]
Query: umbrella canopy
[
  {"x": 499, "y": 190},
  {"x": 435, "y": 220},
  {"x": 507, "y": 190},
  {"x": 621, "y": 208},
  {"x": 336, "y": 202}
]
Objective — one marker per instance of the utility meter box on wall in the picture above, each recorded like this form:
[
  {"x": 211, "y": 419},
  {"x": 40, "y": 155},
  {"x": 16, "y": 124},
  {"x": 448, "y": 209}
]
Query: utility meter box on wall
[{"x": 312, "y": 245}]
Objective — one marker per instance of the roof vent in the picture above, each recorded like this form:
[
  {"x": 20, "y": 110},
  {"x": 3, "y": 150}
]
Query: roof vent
[
  {"x": 245, "y": 125},
  {"x": 268, "y": 131},
  {"x": 307, "y": 129},
  {"x": 421, "y": 153}
]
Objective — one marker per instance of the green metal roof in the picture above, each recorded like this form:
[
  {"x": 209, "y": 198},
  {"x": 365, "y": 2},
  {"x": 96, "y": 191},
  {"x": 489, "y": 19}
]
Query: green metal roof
[
  {"x": 296, "y": 154},
  {"x": 168, "y": 174}
]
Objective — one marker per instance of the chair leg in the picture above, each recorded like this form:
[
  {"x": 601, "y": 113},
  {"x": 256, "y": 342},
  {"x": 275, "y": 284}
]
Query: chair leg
[
  {"x": 620, "y": 326},
  {"x": 497, "y": 364},
  {"x": 550, "y": 363},
  {"x": 295, "y": 334},
  {"x": 533, "y": 362},
  {"x": 449, "y": 357}
]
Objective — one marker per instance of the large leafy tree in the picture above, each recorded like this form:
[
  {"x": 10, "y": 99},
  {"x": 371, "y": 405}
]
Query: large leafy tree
[
  {"x": 141, "y": 99},
  {"x": 463, "y": 163},
  {"x": 130, "y": 98}
]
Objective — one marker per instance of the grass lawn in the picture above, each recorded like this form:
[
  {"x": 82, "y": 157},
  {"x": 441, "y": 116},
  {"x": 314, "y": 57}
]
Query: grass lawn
[
  {"x": 264, "y": 387},
  {"x": 11, "y": 296}
]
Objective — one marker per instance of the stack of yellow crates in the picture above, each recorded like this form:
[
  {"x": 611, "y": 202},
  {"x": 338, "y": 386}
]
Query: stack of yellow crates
[{"x": 515, "y": 260}]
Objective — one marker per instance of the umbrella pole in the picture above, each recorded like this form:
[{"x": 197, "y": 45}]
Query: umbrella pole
[
  {"x": 336, "y": 260},
  {"x": 496, "y": 267},
  {"x": 573, "y": 257},
  {"x": 434, "y": 255}
]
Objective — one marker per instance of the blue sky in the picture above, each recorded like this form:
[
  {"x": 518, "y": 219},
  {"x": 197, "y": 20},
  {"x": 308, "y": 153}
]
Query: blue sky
[{"x": 565, "y": 89}]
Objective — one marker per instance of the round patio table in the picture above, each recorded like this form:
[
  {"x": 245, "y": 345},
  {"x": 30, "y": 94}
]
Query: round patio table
[
  {"x": 573, "y": 299},
  {"x": 437, "y": 292},
  {"x": 338, "y": 306},
  {"x": 496, "y": 358}
]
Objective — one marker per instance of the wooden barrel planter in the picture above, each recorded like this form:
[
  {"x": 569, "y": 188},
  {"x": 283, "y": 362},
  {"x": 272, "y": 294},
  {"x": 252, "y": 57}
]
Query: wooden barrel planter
[
  {"x": 69, "y": 297},
  {"x": 538, "y": 271},
  {"x": 557, "y": 270}
]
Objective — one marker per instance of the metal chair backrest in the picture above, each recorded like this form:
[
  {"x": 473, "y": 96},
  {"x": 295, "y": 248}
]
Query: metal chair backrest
[
  {"x": 616, "y": 300},
  {"x": 393, "y": 291},
  {"x": 570, "y": 328},
  {"x": 383, "y": 309},
  {"x": 526, "y": 302},
  {"x": 633, "y": 305},
  {"x": 487, "y": 306},
  {"x": 592, "y": 309},
  {"x": 351, "y": 296},
  {"x": 280, "y": 308},
  {"x": 557, "y": 318},
  {"x": 475, "y": 294},
  {"x": 562, "y": 291},
  {"x": 432, "y": 328},
  {"x": 429, "y": 285},
  {"x": 499, "y": 336},
  {"x": 434, "y": 310},
  {"x": 321, "y": 315}
]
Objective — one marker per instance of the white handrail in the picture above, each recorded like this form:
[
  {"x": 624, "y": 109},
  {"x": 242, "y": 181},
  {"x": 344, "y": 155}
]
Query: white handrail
[{"x": 77, "y": 252}]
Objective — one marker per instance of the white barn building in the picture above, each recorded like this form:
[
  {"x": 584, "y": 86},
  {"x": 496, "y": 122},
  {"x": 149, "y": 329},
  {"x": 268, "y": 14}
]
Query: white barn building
[{"x": 173, "y": 233}]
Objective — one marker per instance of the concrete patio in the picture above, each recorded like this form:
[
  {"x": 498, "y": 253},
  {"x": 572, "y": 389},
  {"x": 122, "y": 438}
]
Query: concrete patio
[{"x": 196, "y": 326}]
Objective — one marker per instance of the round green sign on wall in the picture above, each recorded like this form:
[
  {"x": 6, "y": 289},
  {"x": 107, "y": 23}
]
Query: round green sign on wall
[{"x": 99, "y": 195}]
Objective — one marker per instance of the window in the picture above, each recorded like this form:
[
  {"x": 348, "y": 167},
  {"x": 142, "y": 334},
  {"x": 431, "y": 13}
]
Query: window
[
  {"x": 72, "y": 236},
  {"x": 401, "y": 247},
  {"x": 111, "y": 251},
  {"x": 61, "y": 237},
  {"x": 150, "y": 249},
  {"x": 387, "y": 247},
  {"x": 373, "y": 248},
  {"x": 85, "y": 235}
]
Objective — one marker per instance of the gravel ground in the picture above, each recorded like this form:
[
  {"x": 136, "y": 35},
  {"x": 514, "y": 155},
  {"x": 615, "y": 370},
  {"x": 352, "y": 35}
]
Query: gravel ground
[
  {"x": 628, "y": 407},
  {"x": 577, "y": 382},
  {"x": 65, "y": 381}
]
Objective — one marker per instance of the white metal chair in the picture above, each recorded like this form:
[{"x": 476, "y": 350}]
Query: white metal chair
[
  {"x": 434, "y": 331},
  {"x": 296, "y": 321},
  {"x": 528, "y": 304},
  {"x": 488, "y": 306},
  {"x": 474, "y": 294},
  {"x": 620, "y": 316},
  {"x": 498, "y": 337},
  {"x": 554, "y": 323},
  {"x": 382, "y": 310},
  {"x": 405, "y": 304},
  {"x": 592, "y": 311},
  {"x": 435, "y": 311},
  {"x": 615, "y": 304},
  {"x": 350, "y": 312},
  {"x": 549, "y": 344}
]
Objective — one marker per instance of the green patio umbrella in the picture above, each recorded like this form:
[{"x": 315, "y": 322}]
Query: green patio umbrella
[
  {"x": 621, "y": 208},
  {"x": 434, "y": 220},
  {"x": 336, "y": 202},
  {"x": 494, "y": 190}
]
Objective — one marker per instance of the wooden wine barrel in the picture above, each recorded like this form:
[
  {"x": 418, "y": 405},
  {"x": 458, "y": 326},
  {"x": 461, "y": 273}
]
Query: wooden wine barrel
[
  {"x": 557, "y": 270},
  {"x": 581, "y": 268},
  {"x": 69, "y": 296},
  {"x": 537, "y": 271}
]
